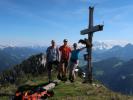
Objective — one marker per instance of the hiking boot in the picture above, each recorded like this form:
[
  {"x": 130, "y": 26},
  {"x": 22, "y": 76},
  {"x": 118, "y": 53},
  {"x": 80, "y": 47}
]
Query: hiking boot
[
  {"x": 85, "y": 81},
  {"x": 50, "y": 81},
  {"x": 58, "y": 77},
  {"x": 64, "y": 78},
  {"x": 69, "y": 78},
  {"x": 71, "y": 81}
]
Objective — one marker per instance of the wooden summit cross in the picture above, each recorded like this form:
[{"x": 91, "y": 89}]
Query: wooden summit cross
[{"x": 88, "y": 42}]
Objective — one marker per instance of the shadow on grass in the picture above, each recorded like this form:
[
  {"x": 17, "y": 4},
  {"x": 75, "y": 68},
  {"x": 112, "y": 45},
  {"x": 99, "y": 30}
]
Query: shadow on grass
[{"x": 30, "y": 87}]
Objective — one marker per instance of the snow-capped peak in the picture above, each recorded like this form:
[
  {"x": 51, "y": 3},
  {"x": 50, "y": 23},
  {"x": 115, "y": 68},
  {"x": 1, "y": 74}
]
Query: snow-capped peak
[
  {"x": 2, "y": 46},
  {"x": 108, "y": 44},
  {"x": 97, "y": 45}
]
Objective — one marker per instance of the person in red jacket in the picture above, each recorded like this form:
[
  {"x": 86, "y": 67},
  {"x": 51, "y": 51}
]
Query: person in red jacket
[{"x": 65, "y": 51}]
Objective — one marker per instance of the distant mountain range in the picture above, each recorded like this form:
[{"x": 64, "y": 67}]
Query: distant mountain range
[
  {"x": 12, "y": 55},
  {"x": 124, "y": 53},
  {"x": 115, "y": 74},
  {"x": 97, "y": 45},
  {"x": 108, "y": 44},
  {"x": 102, "y": 50},
  {"x": 34, "y": 65}
]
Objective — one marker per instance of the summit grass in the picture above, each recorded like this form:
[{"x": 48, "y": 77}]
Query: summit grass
[{"x": 66, "y": 90}]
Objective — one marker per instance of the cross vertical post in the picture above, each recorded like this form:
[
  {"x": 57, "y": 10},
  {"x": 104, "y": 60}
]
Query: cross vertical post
[
  {"x": 88, "y": 42},
  {"x": 89, "y": 49}
]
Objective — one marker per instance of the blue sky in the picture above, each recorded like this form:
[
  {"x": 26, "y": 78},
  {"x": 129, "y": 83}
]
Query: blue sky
[{"x": 37, "y": 22}]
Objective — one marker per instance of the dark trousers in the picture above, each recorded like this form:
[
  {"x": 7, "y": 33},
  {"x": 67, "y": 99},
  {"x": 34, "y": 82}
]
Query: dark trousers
[{"x": 49, "y": 68}]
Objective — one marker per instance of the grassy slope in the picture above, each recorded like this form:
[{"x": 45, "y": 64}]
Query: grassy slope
[
  {"x": 79, "y": 91},
  {"x": 68, "y": 91}
]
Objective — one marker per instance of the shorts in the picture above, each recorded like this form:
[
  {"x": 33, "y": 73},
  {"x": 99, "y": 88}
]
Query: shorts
[
  {"x": 64, "y": 61},
  {"x": 73, "y": 65}
]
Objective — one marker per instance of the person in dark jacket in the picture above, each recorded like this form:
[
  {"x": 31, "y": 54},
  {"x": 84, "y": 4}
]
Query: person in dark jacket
[{"x": 52, "y": 58}]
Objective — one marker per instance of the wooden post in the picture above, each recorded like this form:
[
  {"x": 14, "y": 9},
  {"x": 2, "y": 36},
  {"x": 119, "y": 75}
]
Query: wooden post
[
  {"x": 91, "y": 29},
  {"x": 89, "y": 49}
]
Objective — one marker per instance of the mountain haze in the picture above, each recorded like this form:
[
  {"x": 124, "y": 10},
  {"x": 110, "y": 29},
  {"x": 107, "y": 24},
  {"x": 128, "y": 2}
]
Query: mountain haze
[
  {"x": 10, "y": 56},
  {"x": 115, "y": 74}
]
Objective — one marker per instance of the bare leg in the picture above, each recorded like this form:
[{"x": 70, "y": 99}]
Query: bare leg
[
  {"x": 70, "y": 74},
  {"x": 63, "y": 70},
  {"x": 73, "y": 75}
]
